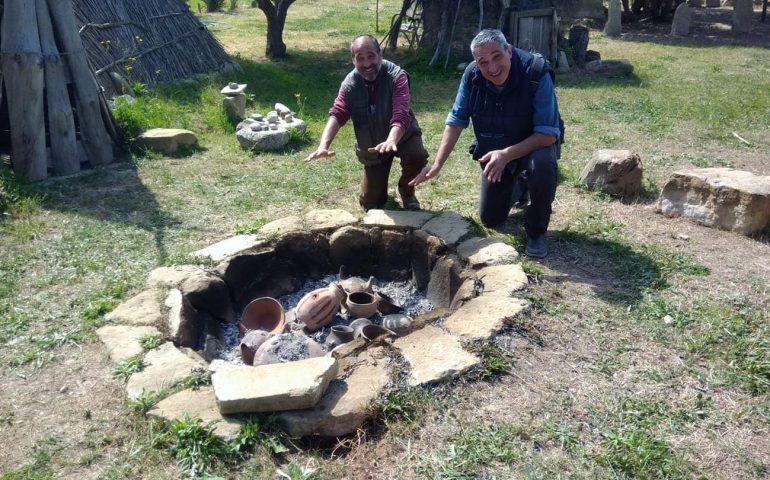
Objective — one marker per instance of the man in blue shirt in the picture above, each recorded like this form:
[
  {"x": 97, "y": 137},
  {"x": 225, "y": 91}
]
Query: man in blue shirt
[{"x": 515, "y": 135}]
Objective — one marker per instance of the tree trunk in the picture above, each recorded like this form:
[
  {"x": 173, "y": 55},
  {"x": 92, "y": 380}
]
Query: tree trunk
[
  {"x": 61, "y": 124},
  {"x": 23, "y": 71},
  {"x": 97, "y": 143},
  {"x": 395, "y": 27},
  {"x": 275, "y": 13}
]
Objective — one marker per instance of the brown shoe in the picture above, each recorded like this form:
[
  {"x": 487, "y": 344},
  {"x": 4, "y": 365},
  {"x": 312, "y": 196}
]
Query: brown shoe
[{"x": 411, "y": 203}]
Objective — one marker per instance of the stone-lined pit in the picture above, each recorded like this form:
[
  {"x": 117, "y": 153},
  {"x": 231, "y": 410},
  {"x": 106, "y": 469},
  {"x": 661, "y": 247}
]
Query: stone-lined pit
[{"x": 471, "y": 285}]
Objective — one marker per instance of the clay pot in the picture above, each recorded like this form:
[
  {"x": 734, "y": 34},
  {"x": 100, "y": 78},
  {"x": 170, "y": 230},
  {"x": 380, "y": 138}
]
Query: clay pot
[
  {"x": 361, "y": 304},
  {"x": 355, "y": 284},
  {"x": 263, "y": 314},
  {"x": 340, "y": 334},
  {"x": 358, "y": 324},
  {"x": 318, "y": 307},
  {"x": 251, "y": 342},
  {"x": 385, "y": 304},
  {"x": 274, "y": 350},
  {"x": 372, "y": 332},
  {"x": 397, "y": 322}
]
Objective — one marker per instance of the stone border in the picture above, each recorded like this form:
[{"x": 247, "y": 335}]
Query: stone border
[{"x": 472, "y": 280}]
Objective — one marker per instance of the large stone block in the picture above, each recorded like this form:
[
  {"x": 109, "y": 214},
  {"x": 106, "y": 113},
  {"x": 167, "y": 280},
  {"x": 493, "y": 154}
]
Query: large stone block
[
  {"x": 719, "y": 197},
  {"x": 347, "y": 402},
  {"x": 434, "y": 355},
  {"x": 617, "y": 172},
  {"x": 200, "y": 404},
  {"x": 484, "y": 316},
  {"x": 166, "y": 140},
  {"x": 164, "y": 367},
  {"x": 273, "y": 388},
  {"x": 145, "y": 308},
  {"x": 352, "y": 247}
]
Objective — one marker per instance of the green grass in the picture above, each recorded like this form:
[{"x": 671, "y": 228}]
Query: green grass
[{"x": 127, "y": 367}]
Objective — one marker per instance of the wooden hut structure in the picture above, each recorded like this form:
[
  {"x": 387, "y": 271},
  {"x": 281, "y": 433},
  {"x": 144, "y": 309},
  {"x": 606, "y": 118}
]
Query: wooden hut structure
[{"x": 57, "y": 58}]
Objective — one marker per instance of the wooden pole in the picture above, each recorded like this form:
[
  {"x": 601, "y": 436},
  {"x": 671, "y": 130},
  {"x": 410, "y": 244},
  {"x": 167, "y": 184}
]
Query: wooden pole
[
  {"x": 93, "y": 135},
  {"x": 23, "y": 72},
  {"x": 61, "y": 124}
]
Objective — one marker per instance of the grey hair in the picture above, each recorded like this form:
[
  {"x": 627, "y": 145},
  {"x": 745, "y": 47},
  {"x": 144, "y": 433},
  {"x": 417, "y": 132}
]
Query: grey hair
[
  {"x": 487, "y": 36},
  {"x": 371, "y": 39}
]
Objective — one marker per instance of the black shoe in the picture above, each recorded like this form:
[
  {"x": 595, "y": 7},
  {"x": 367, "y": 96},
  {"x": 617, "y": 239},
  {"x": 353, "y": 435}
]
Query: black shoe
[
  {"x": 411, "y": 203},
  {"x": 537, "y": 247}
]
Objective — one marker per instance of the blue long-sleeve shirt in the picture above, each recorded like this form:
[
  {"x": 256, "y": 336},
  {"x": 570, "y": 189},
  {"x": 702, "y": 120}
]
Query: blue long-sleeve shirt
[{"x": 544, "y": 104}]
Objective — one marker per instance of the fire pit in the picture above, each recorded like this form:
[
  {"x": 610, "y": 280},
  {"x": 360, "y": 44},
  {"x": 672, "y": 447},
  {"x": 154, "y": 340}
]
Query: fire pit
[{"x": 411, "y": 265}]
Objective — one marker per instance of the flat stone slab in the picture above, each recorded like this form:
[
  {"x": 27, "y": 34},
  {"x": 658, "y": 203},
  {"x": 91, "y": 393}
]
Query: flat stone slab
[
  {"x": 145, "y": 308},
  {"x": 396, "y": 218},
  {"x": 347, "y": 402},
  {"x": 434, "y": 355},
  {"x": 484, "y": 316},
  {"x": 329, "y": 219},
  {"x": 163, "y": 368},
  {"x": 478, "y": 251},
  {"x": 166, "y": 140},
  {"x": 171, "y": 277},
  {"x": 229, "y": 247},
  {"x": 282, "y": 226},
  {"x": 718, "y": 197},
  {"x": 122, "y": 341},
  {"x": 200, "y": 404},
  {"x": 449, "y": 227},
  {"x": 273, "y": 388},
  {"x": 503, "y": 280}
]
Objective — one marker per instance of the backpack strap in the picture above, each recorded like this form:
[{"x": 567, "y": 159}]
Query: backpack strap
[{"x": 535, "y": 72}]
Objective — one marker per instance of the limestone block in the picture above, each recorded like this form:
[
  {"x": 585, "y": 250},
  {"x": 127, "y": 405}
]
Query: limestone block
[
  {"x": 617, "y": 172},
  {"x": 391, "y": 250},
  {"x": 275, "y": 387},
  {"x": 449, "y": 227},
  {"x": 200, "y": 404},
  {"x": 426, "y": 248},
  {"x": 332, "y": 219},
  {"x": 122, "y": 341},
  {"x": 282, "y": 226},
  {"x": 502, "y": 280},
  {"x": 478, "y": 252},
  {"x": 743, "y": 13},
  {"x": 347, "y": 402},
  {"x": 719, "y": 197},
  {"x": 682, "y": 18},
  {"x": 256, "y": 274},
  {"x": 164, "y": 367},
  {"x": 610, "y": 68},
  {"x": 444, "y": 282},
  {"x": 396, "y": 218},
  {"x": 185, "y": 325},
  {"x": 614, "y": 11},
  {"x": 434, "y": 355},
  {"x": 166, "y": 140},
  {"x": 307, "y": 252},
  {"x": 235, "y": 106},
  {"x": 229, "y": 247},
  {"x": 484, "y": 316},
  {"x": 170, "y": 277},
  {"x": 145, "y": 308},
  {"x": 352, "y": 247},
  {"x": 264, "y": 139}
]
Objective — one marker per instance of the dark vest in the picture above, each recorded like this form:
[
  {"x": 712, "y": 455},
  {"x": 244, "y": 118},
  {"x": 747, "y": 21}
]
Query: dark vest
[
  {"x": 372, "y": 125},
  {"x": 504, "y": 118}
]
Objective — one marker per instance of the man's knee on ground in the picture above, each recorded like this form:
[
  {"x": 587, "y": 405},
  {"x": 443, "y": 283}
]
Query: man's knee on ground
[{"x": 492, "y": 219}]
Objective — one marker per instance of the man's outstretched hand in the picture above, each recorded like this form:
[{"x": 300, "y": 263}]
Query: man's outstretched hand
[
  {"x": 427, "y": 173},
  {"x": 384, "y": 147},
  {"x": 320, "y": 153}
]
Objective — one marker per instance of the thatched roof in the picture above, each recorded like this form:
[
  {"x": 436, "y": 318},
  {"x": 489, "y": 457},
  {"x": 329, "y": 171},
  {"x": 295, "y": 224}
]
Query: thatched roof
[{"x": 149, "y": 41}]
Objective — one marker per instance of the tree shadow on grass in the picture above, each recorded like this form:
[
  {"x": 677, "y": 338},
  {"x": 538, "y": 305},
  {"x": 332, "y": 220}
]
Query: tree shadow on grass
[{"x": 618, "y": 272}]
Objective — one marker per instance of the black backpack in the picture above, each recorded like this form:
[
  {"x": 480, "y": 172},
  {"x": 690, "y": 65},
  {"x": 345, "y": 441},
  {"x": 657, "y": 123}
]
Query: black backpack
[{"x": 535, "y": 72}]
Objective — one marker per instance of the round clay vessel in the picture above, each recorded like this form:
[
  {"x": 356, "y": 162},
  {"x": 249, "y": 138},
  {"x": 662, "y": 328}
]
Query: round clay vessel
[
  {"x": 287, "y": 347},
  {"x": 358, "y": 324},
  {"x": 371, "y": 332},
  {"x": 385, "y": 304},
  {"x": 397, "y": 322},
  {"x": 318, "y": 307},
  {"x": 353, "y": 284},
  {"x": 264, "y": 313},
  {"x": 251, "y": 342},
  {"x": 361, "y": 304},
  {"x": 340, "y": 334}
]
